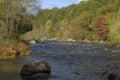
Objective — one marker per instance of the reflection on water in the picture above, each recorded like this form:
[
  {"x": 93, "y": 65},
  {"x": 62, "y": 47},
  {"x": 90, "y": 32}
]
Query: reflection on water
[{"x": 9, "y": 68}]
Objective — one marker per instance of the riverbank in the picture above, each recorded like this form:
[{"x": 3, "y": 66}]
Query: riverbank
[
  {"x": 42, "y": 38},
  {"x": 101, "y": 42},
  {"x": 10, "y": 50}
]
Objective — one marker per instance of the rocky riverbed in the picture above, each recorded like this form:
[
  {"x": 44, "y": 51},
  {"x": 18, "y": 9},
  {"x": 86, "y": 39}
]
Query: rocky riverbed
[{"x": 71, "y": 61}]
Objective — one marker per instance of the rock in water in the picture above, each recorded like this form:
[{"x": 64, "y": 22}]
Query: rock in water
[
  {"x": 32, "y": 42},
  {"x": 35, "y": 70},
  {"x": 115, "y": 75}
]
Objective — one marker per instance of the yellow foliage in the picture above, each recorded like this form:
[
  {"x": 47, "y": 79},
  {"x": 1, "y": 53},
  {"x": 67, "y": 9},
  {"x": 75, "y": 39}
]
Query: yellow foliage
[
  {"x": 48, "y": 25},
  {"x": 119, "y": 14},
  {"x": 114, "y": 34}
]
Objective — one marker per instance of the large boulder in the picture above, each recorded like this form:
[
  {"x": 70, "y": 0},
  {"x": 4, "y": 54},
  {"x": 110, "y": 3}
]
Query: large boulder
[
  {"x": 115, "y": 75},
  {"x": 35, "y": 70}
]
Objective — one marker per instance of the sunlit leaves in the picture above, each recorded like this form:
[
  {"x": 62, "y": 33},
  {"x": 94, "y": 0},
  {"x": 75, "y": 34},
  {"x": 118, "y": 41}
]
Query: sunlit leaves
[{"x": 86, "y": 20}]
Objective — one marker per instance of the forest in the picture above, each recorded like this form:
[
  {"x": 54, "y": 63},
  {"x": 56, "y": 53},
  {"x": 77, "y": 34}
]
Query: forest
[{"x": 96, "y": 21}]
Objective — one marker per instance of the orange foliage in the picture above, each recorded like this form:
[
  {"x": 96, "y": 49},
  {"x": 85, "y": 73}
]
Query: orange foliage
[
  {"x": 22, "y": 45},
  {"x": 100, "y": 26},
  {"x": 9, "y": 51},
  {"x": 73, "y": 32},
  {"x": 14, "y": 49},
  {"x": 48, "y": 25}
]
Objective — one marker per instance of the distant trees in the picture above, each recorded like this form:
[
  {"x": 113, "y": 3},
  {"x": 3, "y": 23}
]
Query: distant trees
[{"x": 89, "y": 19}]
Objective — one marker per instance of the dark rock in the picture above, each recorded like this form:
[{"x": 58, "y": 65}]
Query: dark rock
[
  {"x": 115, "y": 75},
  {"x": 36, "y": 70},
  {"x": 40, "y": 76}
]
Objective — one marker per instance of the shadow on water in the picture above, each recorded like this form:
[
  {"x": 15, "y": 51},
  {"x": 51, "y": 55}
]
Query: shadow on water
[
  {"x": 69, "y": 61},
  {"x": 9, "y": 68},
  {"x": 30, "y": 78}
]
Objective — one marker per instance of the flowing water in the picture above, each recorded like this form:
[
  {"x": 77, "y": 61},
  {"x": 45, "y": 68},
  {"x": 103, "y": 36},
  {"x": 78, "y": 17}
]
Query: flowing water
[{"x": 69, "y": 61}]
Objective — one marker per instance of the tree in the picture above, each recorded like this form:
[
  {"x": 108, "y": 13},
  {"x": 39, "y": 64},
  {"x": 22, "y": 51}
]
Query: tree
[
  {"x": 17, "y": 14},
  {"x": 48, "y": 28},
  {"x": 100, "y": 28}
]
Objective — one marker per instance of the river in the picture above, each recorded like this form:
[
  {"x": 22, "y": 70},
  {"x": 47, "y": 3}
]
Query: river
[{"x": 69, "y": 61}]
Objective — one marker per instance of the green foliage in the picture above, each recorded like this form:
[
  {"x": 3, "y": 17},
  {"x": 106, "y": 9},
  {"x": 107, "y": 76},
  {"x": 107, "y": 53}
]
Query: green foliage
[
  {"x": 114, "y": 33},
  {"x": 15, "y": 19},
  {"x": 91, "y": 20}
]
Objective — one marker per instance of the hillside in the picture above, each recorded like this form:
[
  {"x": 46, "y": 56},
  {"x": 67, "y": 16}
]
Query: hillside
[{"x": 92, "y": 20}]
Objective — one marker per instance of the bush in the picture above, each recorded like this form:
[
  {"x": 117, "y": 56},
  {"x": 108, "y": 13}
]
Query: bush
[
  {"x": 114, "y": 34},
  {"x": 10, "y": 50}
]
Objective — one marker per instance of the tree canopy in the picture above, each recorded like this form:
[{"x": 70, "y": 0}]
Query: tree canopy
[
  {"x": 16, "y": 16},
  {"x": 91, "y": 20}
]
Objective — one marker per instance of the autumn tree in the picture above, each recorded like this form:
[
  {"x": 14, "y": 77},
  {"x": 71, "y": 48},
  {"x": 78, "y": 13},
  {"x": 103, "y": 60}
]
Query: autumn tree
[
  {"x": 100, "y": 27},
  {"x": 88, "y": 19},
  {"x": 48, "y": 28}
]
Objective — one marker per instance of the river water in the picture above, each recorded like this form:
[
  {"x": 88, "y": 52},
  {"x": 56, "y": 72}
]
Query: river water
[{"x": 69, "y": 61}]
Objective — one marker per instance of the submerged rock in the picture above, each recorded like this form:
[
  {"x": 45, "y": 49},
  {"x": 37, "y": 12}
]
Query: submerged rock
[
  {"x": 115, "y": 75},
  {"x": 35, "y": 70}
]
